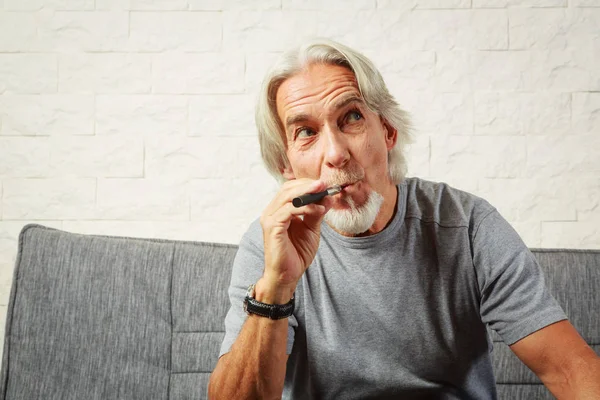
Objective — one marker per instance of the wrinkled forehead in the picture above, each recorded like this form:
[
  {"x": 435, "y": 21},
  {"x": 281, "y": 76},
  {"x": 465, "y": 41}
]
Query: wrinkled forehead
[{"x": 315, "y": 88}]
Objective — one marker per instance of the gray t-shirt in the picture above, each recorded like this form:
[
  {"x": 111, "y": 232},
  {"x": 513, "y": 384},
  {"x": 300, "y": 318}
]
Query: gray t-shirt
[{"x": 404, "y": 313}]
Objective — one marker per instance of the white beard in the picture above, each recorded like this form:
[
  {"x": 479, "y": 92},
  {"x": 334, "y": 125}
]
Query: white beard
[{"x": 358, "y": 219}]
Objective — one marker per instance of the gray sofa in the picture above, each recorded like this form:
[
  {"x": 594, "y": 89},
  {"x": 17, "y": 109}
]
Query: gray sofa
[{"x": 99, "y": 317}]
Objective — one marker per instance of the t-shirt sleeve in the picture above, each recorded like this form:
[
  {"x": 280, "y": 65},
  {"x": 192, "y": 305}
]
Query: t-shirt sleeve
[
  {"x": 247, "y": 269},
  {"x": 514, "y": 299}
]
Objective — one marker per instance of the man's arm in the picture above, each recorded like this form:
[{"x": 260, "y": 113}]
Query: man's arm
[
  {"x": 564, "y": 362},
  {"x": 255, "y": 366}
]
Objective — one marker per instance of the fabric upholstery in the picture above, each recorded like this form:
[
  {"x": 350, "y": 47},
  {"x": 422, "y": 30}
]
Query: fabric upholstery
[
  {"x": 101, "y": 317},
  {"x": 573, "y": 278}
]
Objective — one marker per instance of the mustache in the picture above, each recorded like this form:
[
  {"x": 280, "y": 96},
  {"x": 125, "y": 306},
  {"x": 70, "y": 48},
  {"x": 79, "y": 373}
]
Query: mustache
[{"x": 344, "y": 176}]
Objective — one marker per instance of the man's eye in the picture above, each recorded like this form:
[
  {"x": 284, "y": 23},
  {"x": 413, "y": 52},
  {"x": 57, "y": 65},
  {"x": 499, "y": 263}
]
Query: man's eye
[
  {"x": 304, "y": 133},
  {"x": 353, "y": 116}
]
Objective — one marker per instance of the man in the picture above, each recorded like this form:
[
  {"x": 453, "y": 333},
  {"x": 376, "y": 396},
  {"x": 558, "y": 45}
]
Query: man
[{"x": 385, "y": 289}]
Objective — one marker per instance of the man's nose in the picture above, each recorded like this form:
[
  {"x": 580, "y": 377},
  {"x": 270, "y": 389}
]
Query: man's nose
[{"x": 336, "y": 152}]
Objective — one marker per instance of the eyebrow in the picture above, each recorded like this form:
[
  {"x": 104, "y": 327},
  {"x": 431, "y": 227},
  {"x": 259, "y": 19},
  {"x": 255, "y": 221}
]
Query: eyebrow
[
  {"x": 348, "y": 100},
  {"x": 294, "y": 119}
]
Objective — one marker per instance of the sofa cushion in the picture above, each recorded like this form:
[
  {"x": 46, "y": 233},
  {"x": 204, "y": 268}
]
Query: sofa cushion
[
  {"x": 100, "y": 317},
  {"x": 201, "y": 275}
]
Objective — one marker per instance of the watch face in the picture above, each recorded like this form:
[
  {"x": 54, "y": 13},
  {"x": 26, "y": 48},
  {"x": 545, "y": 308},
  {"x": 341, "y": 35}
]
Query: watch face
[{"x": 250, "y": 291}]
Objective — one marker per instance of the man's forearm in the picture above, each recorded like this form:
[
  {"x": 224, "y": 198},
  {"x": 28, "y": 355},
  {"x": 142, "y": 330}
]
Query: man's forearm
[
  {"x": 256, "y": 364},
  {"x": 586, "y": 385},
  {"x": 580, "y": 382}
]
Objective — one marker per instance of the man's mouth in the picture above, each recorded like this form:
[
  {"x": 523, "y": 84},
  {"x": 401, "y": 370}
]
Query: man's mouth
[{"x": 345, "y": 185}]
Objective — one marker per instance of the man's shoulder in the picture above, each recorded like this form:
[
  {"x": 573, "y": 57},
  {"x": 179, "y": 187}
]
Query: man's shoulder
[
  {"x": 251, "y": 247},
  {"x": 443, "y": 204},
  {"x": 254, "y": 234}
]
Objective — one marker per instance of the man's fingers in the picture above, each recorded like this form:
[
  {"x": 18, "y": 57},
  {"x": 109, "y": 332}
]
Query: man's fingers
[
  {"x": 292, "y": 189},
  {"x": 284, "y": 215},
  {"x": 313, "y": 221}
]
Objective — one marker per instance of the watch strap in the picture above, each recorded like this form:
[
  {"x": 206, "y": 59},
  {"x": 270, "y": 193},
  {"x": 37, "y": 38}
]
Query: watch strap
[{"x": 272, "y": 311}]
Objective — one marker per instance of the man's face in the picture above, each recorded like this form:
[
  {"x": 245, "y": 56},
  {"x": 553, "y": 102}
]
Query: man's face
[{"x": 331, "y": 134}]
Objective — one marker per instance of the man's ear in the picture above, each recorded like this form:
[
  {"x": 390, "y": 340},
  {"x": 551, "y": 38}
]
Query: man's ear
[
  {"x": 391, "y": 134},
  {"x": 287, "y": 173}
]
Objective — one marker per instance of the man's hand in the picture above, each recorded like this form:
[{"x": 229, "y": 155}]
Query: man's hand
[
  {"x": 291, "y": 239},
  {"x": 562, "y": 360}
]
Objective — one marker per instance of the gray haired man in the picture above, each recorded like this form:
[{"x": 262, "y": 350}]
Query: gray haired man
[{"x": 385, "y": 289}]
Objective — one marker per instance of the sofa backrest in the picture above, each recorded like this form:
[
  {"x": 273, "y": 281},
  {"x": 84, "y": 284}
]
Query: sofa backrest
[
  {"x": 97, "y": 317},
  {"x": 100, "y": 317},
  {"x": 573, "y": 278}
]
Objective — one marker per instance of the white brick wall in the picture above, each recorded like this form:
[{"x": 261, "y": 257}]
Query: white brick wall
[{"x": 135, "y": 117}]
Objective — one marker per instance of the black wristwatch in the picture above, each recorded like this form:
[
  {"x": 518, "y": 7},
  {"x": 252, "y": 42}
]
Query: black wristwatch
[{"x": 272, "y": 311}]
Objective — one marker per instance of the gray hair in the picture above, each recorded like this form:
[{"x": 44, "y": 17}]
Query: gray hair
[{"x": 370, "y": 84}]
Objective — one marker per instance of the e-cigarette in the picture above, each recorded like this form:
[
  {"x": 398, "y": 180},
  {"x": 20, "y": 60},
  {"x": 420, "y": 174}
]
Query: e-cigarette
[{"x": 310, "y": 198}]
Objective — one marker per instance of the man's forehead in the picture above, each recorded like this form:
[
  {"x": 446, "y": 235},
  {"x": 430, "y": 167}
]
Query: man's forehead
[
  {"x": 325, "y": 85},
  {"x": 317, "y": 73}
]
